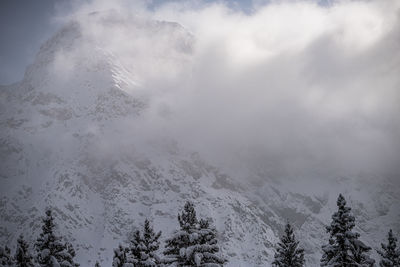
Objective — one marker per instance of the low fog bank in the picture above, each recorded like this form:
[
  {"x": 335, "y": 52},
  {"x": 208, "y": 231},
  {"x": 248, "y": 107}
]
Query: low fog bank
[{"x": 293, "y": 87}]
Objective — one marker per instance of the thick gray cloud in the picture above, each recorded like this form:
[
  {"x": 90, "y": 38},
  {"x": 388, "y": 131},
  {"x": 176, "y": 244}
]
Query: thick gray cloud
[
  {"x": 25, "y": 25},
  {"x": 308, "y": 89},
  {"x": 296, "y": 87}
]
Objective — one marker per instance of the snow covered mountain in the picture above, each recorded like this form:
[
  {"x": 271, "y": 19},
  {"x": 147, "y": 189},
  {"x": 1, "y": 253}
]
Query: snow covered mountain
[{"x": 73, "y": 137}]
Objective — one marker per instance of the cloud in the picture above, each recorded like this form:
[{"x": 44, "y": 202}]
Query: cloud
[{"x": 298, "y": 88}]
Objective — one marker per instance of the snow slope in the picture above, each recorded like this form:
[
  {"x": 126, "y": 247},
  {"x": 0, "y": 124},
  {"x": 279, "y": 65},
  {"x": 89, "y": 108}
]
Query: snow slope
[{"x": 72, "y": 137}]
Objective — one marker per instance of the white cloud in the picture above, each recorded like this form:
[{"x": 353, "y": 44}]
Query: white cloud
[{"x": 303, "y": 87}]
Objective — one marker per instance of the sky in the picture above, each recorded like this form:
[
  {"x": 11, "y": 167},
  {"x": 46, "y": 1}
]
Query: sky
[{"x": 25, "y": 25}]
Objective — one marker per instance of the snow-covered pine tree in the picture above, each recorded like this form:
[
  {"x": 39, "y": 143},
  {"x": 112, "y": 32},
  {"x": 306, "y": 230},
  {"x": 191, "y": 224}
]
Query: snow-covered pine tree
[
  {"x": 188, "y": 219},
  {"x": 175, "y": 248},
  {"x": 206, "y": 251},
  {"x": 67, "y": 255},
  {"x": 23, "y": 257},
  {"x": 144, "y": 245},
  {"x": 288, "y": 253},
  {"x": 194, "y": 244},
  {"x": 390, "y": 254},
  {"x": 360, "y": 254},
  {"x": 5, "y": 257},
  {"x": 120, "y": 259},
  {"x": 47, "y": 244},
  {"x": 344, "y": 248},
  {"x": 97, "y": 264},
  {"x": 51, "y": 251}
]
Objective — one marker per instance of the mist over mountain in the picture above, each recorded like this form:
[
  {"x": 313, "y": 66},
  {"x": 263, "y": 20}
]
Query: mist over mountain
[{"x": 257, "y": 118}]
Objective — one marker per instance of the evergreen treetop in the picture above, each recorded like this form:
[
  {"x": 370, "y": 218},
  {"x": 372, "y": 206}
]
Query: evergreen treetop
[
  {"x": 23, "y": 257},
  {"x": 288, "y": 253},
  {"x": 144, "y": 246},
  {"x": 187, "y": 219},
  {"x": 194, "y": 244},
  {"x": 390, "y": 254},
  {"x": 51, "y": 250},
  {"x": 344, "y": 249}
]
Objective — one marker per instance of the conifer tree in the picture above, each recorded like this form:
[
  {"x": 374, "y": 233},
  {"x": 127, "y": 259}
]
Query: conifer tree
[
  {"x": 97, "y": 264},
  {"x": 51, "y": 251},
  {"x": 344, "y": 248},
  {"x": 205, "y": 253},
  {"x": 360, "y": 255},
  {"x": 5, "y": 257},
  {"x": 23, "y": 257},
  {"x": 120, "y": 258},
  {"x": 288, "y": 253},
  {"x": 194, "y": 244},
  {"x": 48, "y": 244},
  {"x": 176, "y": 246},
  {"x": 390, "y": 254},
  {"x": 67, "y": 255},
  {"x": 144, "y": 246}
]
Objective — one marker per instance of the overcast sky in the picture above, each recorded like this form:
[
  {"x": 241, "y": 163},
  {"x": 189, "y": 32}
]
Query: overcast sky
[
  {"x": 301, "y": 86},
  {"x": 318, "y": 80},
  {"x": 25, "y": 25}
]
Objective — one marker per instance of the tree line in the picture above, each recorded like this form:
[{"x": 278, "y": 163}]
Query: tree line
[
  {"x": 344, "y": 248},
  {"x": 194, "y": 243}
]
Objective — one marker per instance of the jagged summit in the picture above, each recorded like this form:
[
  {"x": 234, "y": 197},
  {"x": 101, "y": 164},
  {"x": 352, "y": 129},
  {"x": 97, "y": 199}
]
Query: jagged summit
[
  {"x": 93, "y": 38},
  {"x": 83, "y": 67}
]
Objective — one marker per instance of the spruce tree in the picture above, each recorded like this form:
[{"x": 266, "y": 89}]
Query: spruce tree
[
  {"x": 390, "y": 254},
  {"x": 360, "y": 255},
  {"x": 205, "y": 253},
  {"x": 288, "y": 253},
  {"x": 23, "y": 257},
  {"x": 67, "y": 255},
  {"x": 51, "y": 251},
  {"x": 47, "y": 244},
  {"x": 119, "y": 259},
  {"x": 97, "y": 264},
  {"x": 144, "y": 246},
  {"x": 344, "y": 248},
  {"x": 176, "y": 246},
  {"x": 5, "y": 257},
  {"x": 194, "y": 244}
]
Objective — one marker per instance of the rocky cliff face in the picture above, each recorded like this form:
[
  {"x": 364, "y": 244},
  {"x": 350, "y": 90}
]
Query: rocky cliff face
[{"x": 72, "y": 138}]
